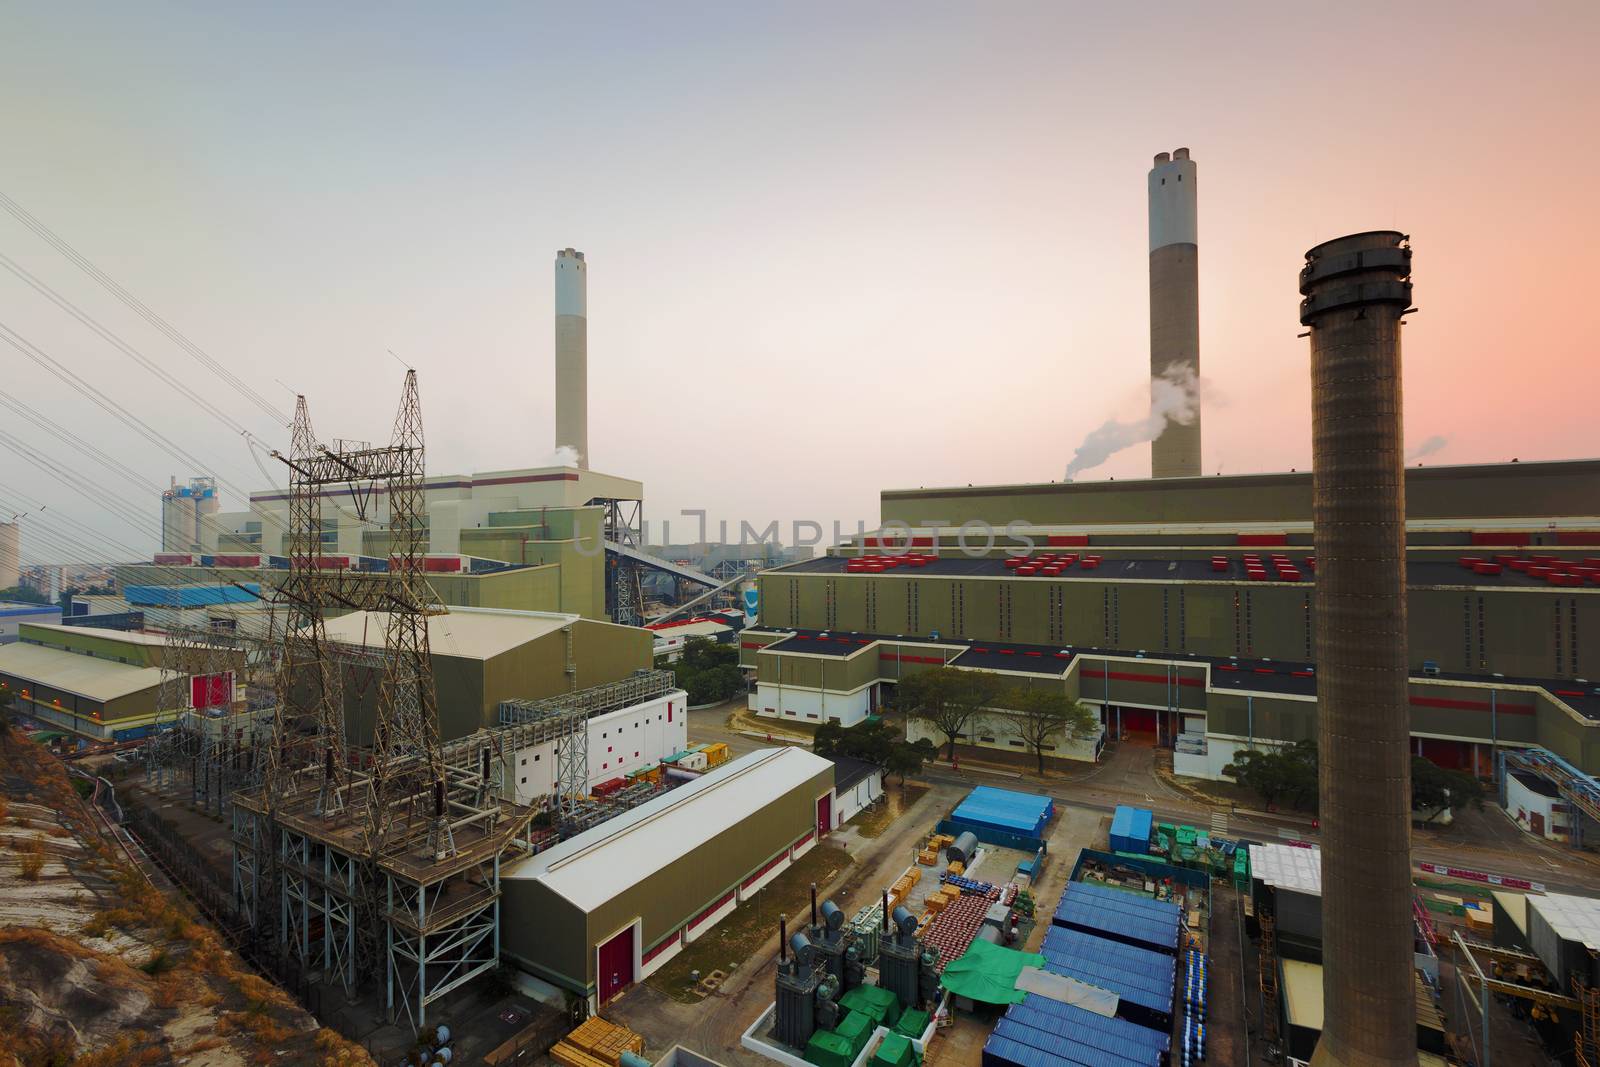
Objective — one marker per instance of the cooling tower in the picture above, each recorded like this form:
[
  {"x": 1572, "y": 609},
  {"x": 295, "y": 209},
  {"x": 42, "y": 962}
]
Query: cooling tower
[
  {"x": 1355, "y": 291},
  {"x": 1174, "y": 305},
  {"x": 572, "y": 354}
]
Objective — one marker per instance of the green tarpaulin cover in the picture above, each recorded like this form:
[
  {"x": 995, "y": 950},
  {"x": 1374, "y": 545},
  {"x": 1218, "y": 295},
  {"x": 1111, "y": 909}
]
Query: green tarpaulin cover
[
  {"x": 987, "y": 973},
  {"x": 895, "y": 1051},
  {"x": 876, "y": 1003},
  {"x": 828, "y": 1049},
  {"x": 856, "y": 1029},
  {"x": 912, "y": 1023}
]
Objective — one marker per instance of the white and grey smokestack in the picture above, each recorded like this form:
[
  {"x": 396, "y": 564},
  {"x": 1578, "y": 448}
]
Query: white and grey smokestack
[
  {"x": 1174, "y": 308},
  {"x": 572, "y": 354}
]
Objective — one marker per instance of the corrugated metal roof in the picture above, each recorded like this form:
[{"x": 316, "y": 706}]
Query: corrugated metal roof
[
  {"x": 465, "y": 633},
  {"x": 87, "y": 676},
  {"x": 1288, "y": 867},
  {"x": 1155, "y": 969},
  {"x": 601, "y": 863},
  {"x": 1572, "y": 918},
  {"x": 1042, "y": 1013},
  {"x": 1084, "y": 1046},
  {"x": 1004, "y": 809},
  {"x": 1096, "y": 914}
]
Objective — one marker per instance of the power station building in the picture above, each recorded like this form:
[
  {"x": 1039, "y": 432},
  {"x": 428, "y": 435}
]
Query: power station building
[
  {"x": 1182, "y": 607},
  {"x": 606, "y": 908},
  {"x": 106, "y": 685}
]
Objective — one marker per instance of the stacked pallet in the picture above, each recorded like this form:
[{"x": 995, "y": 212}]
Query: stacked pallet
[
  {"x": 596, "y": 1043},
  {"x": 902, "y": 886},
  {"x": 928, "y": 857}
]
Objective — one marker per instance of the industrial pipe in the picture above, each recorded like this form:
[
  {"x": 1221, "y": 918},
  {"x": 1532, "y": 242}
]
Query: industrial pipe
[
  {"x": 813, "y": 904},
  {"x": 783, "y": 939},
  {"x": 1356, "y": 290}
]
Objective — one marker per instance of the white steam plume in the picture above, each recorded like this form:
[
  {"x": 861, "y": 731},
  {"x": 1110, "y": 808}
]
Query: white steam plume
[
  {"x": 1427, "y": 448},
  {"x": 1174, "y": 397},
  {"x": 563, "y": 456}
]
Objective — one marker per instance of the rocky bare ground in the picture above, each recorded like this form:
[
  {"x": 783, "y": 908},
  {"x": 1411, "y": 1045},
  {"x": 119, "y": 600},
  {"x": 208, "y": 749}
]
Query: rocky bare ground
[{"x": 99, "y": 968}]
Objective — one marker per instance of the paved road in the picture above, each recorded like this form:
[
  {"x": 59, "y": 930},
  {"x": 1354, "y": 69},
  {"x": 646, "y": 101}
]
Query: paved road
[{"x": 1481, "y": 840}]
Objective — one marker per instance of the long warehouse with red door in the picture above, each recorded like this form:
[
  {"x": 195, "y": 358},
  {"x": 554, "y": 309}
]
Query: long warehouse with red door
[{"x": 606, "y": 908}]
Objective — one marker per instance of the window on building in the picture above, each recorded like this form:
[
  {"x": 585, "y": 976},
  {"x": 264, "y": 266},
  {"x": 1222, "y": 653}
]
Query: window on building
[
  {"x": 536, "y": 758},
  {"x": 524, "y": 779}
]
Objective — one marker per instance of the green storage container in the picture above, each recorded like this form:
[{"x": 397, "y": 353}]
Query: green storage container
[
  {"x": 913, "y": 1021},
  {"x": 1187, "y": 835},
  {"x": 828, "y": 1049},
  {"x": 856, "y": 1028},
  {"x": 895, "y": 1051}
]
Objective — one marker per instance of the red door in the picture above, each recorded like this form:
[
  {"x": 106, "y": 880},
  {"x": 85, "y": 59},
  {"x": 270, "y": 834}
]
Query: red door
[
  {"x": 824, "y": 814},
  {"x": 616, "y": 965}
]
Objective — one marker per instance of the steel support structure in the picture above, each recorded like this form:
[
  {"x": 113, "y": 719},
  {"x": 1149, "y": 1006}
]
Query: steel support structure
[
  {"x": 1580, "y": 791},
  {"x": 622, "y": 523},
  {"x": 440, "y": 936},
  {"x": 564, "y": 720}
]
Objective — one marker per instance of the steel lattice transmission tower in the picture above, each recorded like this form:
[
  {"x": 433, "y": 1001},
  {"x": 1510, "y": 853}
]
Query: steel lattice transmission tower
[{"x": 406, "y": 760}]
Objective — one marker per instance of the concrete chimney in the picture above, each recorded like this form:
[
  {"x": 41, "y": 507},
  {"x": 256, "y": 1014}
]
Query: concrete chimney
[
  {"x": 572, "y": 354},
  {"x": 1174, "y": 304},
  {"x": 1356, "y": 289}
]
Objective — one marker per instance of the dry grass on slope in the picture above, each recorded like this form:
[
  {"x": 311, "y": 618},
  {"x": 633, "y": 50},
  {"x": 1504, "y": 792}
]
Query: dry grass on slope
[{"x": 99, "y": 968}]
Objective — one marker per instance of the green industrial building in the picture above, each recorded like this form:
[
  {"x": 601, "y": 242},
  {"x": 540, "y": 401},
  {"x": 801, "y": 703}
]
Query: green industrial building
[{"x": 1183, "y": 607}]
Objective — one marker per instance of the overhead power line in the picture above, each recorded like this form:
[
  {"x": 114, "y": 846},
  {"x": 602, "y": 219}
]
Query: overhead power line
[{"x": 133, "y": 303}]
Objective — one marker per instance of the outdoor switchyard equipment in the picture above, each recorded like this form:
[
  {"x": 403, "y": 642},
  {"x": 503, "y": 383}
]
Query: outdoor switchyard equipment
[
  {"x": 572, "y": 354},
  {"x": 1175, "y": 306},
  {"x": 387, "y": 865},
  {"x": 1357, "y": 290}
]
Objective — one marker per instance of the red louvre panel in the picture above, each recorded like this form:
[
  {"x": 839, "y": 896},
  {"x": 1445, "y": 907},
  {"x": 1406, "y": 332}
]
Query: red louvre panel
[
  {"x": 1501, "y": 537},
  {"x": 211, "y": 690}
]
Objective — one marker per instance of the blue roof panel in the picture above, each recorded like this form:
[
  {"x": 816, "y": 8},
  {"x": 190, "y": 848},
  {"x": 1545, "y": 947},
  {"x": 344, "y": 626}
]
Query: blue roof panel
[
  {"x": 1073, "y": 1045},
  {"x": 1053, "y": 1016}
]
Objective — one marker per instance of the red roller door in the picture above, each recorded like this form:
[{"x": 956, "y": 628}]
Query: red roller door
[
  {"x": 824, "y": 813},
  {"x": 1138, "y": 721},
  {"x": 616, "y": 965}
]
